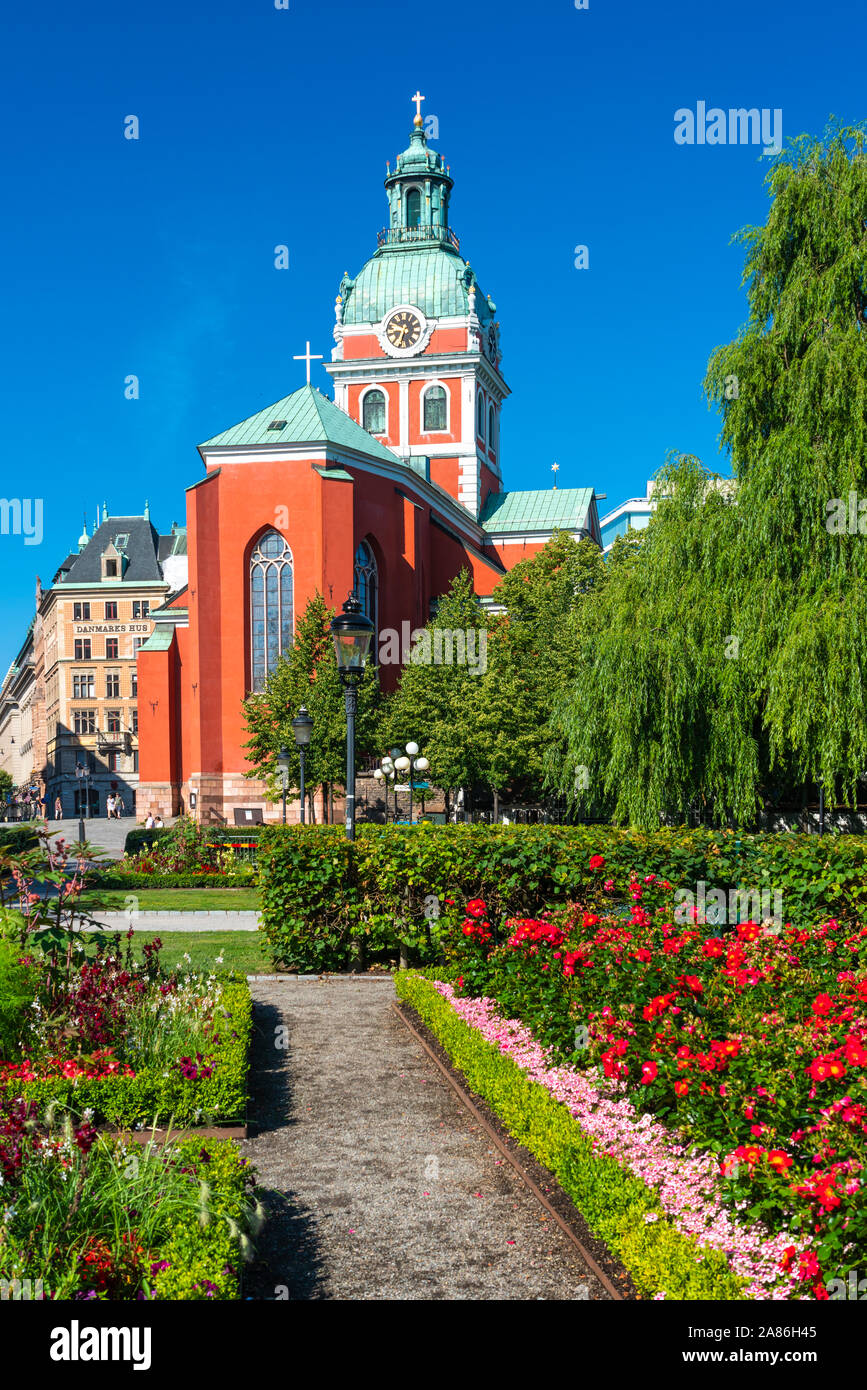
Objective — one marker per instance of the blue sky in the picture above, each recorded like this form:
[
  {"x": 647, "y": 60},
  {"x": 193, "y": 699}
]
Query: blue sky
[{"x": 261, "y": 126}]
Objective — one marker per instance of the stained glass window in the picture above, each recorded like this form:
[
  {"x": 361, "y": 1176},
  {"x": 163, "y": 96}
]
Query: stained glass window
[
  {"x": 367, "y": 582},
  {"x": 271, "y": 616}
]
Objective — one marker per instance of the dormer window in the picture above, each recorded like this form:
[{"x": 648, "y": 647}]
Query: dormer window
[
  {"x": 373, "y": 412},
  {"x": 111, "y": 569}
]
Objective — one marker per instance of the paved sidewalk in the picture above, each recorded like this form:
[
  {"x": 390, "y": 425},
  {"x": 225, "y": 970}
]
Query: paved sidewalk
[
  {"x": 177, "y": 921},
  {"x": 381, "y": 1185},
  {"x": 100, "y": 832}
]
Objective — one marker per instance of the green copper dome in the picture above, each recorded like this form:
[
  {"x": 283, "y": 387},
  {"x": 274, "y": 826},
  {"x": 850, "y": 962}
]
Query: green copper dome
[{"x": 418, "y": 261}]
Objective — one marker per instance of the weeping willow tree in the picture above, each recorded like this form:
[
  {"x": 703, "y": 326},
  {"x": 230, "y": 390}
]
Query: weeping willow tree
[{"x": 730, "y": 653}]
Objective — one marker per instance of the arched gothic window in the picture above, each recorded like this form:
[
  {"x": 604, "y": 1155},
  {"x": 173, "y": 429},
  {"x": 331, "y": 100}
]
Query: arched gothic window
[
  {"x": 373, "y": 412},
  {"x": 367, "y": 584},
  {"x": 435, "y": 409},
  {"x": 271, "y": 616},
  {"x": 413, "y": 207},
  {"x": 492, "y": 420},
  {"x": 480, "y": 421}
]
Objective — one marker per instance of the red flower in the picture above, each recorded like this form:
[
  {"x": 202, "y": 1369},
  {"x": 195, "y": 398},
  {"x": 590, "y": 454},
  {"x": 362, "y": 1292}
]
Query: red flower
[
  {"x": 597, "y": 861},
  {"x": 476, "y": 908},
  {"x": 648, "y": 1073},
  {"x": 823, "y": 1004}
]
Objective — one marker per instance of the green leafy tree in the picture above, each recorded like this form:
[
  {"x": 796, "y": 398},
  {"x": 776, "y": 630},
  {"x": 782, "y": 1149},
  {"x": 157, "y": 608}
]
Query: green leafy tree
[
  {"x": 5, "y": 784},
  {"x": 307, "y": 675},
  {"x": 727, "y": 655},
  {"x": 435, "y": 703},
  {"x": 532, "y": 652}
]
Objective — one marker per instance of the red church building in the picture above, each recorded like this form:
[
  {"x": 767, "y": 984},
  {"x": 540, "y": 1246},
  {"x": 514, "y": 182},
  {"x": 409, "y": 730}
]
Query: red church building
[{"x": 389, "y": 490}]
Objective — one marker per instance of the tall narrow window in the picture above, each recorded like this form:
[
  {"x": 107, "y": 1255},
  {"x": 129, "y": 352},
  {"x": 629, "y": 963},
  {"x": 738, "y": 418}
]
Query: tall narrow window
[
  {"x": 373, "y": 412},
  {"x": 435, "y": 409},
  {"x": 480, "y": 418},
  {"x": 491, "y": 423},
  {"x": 367, "y": 584},
  {"x": 413, "y": 207},
  {"x": 271, "y": 616}
]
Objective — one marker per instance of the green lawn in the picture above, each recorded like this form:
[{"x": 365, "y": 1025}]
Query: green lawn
[
  {"x": 174, "y": 899},
  {"x": 241, "y": 951}
]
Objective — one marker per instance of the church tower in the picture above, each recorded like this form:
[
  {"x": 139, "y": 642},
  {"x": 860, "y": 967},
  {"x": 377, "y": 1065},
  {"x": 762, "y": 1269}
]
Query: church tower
[{"x": 416, "y": 359}]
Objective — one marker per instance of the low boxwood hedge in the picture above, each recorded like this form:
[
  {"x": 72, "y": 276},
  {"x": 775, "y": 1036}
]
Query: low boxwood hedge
[
  {"x": 139, "y": 838},
  {"x": 204, "y": 1262},
  {"x": 17, "y": 839},
  {"x": 119, "y": 881},
  {"x": 319, "y": 890},
  {"x": 158, "y": 1094},
  {"x": 612, "y": 1201}
]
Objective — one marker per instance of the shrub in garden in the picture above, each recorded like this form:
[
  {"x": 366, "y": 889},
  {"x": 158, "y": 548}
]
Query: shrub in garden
[
  {"x": 186, "y": 849},
  {"x": 120, "y": 1220},
  {"x": 393, "y": 883},
  {"x": 752, "y": 1043}
]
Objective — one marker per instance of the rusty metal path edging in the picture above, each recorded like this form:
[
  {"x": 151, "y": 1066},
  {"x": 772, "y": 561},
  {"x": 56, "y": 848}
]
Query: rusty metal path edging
[{"x": 537, "y": 1192}]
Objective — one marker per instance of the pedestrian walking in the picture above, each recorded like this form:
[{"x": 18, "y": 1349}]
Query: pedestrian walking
[
  {"x": 58, "y": 808},
  {"x": 109, "y": 806}
]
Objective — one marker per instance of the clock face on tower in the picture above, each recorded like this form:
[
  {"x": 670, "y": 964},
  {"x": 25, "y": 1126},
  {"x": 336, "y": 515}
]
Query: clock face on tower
[{"x": 403, "y": 329}]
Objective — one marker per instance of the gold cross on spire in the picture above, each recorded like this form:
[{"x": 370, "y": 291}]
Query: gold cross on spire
[
  {"x": 418, "y": 99},
  {"x": 555, "y": 468},
  {"x": 308, "y": 357}
]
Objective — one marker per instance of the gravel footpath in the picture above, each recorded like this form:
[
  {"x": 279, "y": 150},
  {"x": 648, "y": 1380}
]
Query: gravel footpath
[{"x": 380, "y": 1184}]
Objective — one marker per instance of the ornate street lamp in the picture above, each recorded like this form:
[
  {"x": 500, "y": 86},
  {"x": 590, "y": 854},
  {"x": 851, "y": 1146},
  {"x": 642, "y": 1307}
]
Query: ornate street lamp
[
  {"x": 410, "y": 762},
  {"x": 302, "y": 728},
  {"x": 352, "y": 631},
  {"x": 283, "y": 769}
]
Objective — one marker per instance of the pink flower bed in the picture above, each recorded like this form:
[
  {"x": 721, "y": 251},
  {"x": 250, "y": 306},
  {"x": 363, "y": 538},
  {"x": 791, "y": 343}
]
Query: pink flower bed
[{"x": 688, "y": 1186}]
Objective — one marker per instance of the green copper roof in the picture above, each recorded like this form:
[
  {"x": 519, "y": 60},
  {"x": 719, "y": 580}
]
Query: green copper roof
[
  {"x": 159, "y": 641},
  {"x": 565, "y": 509},
  {"x": 305, "y": 417},
  {"x": 433, "y": 278}
]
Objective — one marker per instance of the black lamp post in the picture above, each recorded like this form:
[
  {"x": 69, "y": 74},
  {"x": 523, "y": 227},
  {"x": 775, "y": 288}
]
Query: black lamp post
[
  {"x": 283, "y": 769},
  {"x": 82, "y": 772},
  {"x": 302, "y": 728},
  {"x": 352, "y": 631}
]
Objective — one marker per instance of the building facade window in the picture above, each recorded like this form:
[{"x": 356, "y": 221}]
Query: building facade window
[
  {"x": 111, "y": 762},
  {"x": 133, "y": 682},
  {"x": 112, "y": 684},
  {"x": 84, "y": 721},
  {"x": 141, "y": 608},
  {"x": 133, "y": 721},
  {"x": 83, "y": 685},
  {"x": 111, "y": 648},
  {"x": 111, "y": 609},
  {"x": 82, "y": 649},
  {"x": 373, "y": 412},
  {"x": 271, "y": 611},
  {"x": 137, "y": 642},
  {"x": 367, "y": 583},
  {"x": 435, "y": 409},
  {"x": 81, "y": 612},
  {"x": 492, "y": 420},
  {"x": 480, "y": 419},
  {"x": 112, "y": 721},
  {"x": 413, "y": 207}
]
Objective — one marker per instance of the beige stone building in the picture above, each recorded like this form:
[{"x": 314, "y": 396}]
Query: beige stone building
[
  {"x": 16, "y": 715},
  {"x": 89, "y": 625}
]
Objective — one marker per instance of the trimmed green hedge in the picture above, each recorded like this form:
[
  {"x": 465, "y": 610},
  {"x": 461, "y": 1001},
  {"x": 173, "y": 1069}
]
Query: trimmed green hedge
[
  {"x": 139, "y": 838},
  {"x": 116, "y": 881},
  {"x": 17, "y": 839},
  {"x": 158, "y": 1093},
  {"x": 319, "y": 889},
  {"x": 612, "y": 1201}
]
